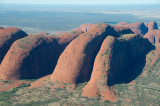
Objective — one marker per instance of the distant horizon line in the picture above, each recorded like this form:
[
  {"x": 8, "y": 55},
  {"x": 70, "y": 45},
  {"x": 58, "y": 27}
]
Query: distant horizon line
[{"x": 84, "y": 4}]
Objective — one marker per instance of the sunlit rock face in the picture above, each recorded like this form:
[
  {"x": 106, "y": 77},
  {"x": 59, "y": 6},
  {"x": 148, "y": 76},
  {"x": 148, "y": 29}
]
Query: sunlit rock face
[{"x": 138, "y": 28}]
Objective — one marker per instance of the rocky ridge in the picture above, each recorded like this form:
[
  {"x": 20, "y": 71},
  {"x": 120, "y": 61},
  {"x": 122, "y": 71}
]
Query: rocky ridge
[{"x": 101, "y": 54}]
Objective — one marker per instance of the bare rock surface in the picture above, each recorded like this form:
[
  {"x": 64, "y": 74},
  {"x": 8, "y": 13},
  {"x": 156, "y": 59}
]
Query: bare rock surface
[
  {"x": 75, "y": 63},
  {"x": 7, "y": 37},
  {"x": 112, "y": 65},
  {"x": 153, "y": 36}
]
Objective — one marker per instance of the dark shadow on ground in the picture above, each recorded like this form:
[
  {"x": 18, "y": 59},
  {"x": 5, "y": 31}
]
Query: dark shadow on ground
[{"x": 132, "y": 71}]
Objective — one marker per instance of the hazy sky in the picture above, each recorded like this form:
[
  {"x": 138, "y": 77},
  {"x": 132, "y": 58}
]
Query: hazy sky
[{"x": 80, "y": 1}]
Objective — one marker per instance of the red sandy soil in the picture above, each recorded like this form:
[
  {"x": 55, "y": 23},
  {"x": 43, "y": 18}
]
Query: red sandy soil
[
  {"x": 128, "y": 100},
  {"x": 153, "y": 36},
  {"x": 92, "y": 56},
  {"x": 154, "y": 60},
  {"x": 29, "y": 57},
  {"x": 79, "y": 56},
  {"x": 138, "y": 27},
  {"x": 98, "y": 82},
  {"x": 11, "y": 85},
  {"x": 34, "y": 56},
  {"x": 152, "y": 25},
  {"x": 40, "y": 82},
  {"x": 110, "y": 63},
  {"x": 122, "y": 30},
  {"x": 131, "y": 83}
]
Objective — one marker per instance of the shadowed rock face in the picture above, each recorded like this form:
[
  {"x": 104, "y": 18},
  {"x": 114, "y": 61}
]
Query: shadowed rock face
[
  {"x": 153, "y": 36},
  {"x": 34, "y": 56},
  {"x": 104, "y": 55},
  {"x": 75, "y": 63},
  {"x": 59, "y": 33},
  {"x": 138, "y": 27},
  {"x": 146, "y": 24},
  {"x": 65, "y": 38},
  {"x": 122, "y": 30},
  {"x": 98, "y": 82},
  {"x": 7, "y": 37},
  {"x": 31, "y": 57},
  {"x": 111, "y": 65},
  {"x": 152, "y": 25}
]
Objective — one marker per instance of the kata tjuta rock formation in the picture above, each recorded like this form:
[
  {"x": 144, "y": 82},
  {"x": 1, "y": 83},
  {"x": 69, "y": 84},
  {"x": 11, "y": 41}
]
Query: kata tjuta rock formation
[
  {"x": 76, "y": 62},
  {"x": 7, "y": 37},
  {"x": 65, "y": 38},
  {"x": 112, "y": 63},
  {"x": 137, "y": 28},
  {"x": 82, "y": 28},
  {"x": 122, "y": 30},
  {"x": 152, "y": 25},
  {"x": 34, "y": 56},
  {"x": 86, "y": 27},
  {"x": 153, "y": 36},
  {"x": 100, "y": 53}
]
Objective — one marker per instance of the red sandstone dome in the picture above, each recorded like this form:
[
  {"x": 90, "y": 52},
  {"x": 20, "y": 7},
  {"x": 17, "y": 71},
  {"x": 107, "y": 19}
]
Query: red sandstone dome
[
  {"x": 122, "y": 30},
  {"x": 65, "y": 38},
  {"x": 31, "y": 57},
  {"x": 104, "y": 55},
  {"x": 111, "y": 65},
  {"x": 152, "y": 25},
  {"x": 75, "y": 63},
  {"x": 137, "y": 28},
  {"x": 34, "y": 56},
  {"x": 7, "y": 37}
]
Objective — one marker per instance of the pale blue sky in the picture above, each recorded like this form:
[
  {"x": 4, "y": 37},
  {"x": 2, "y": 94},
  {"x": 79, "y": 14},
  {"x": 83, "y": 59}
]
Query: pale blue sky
[{"x": 80, "y": 1}]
